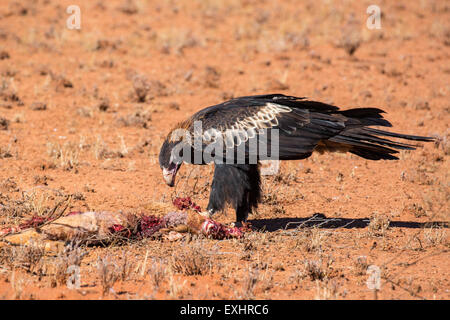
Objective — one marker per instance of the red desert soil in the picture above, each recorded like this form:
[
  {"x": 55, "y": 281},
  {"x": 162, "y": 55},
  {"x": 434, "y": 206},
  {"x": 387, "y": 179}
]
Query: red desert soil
[{"x": 83, "y": 114}]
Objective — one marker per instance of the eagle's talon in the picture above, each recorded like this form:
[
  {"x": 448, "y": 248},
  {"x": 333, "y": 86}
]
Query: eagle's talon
[
  {"x": 237, "y": 224},
  {"x": 207, "y": 214}
]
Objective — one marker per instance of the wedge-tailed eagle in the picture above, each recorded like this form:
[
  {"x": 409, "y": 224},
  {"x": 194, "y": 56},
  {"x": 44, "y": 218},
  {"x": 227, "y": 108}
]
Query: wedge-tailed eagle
[{"x": 237, "y": 134}]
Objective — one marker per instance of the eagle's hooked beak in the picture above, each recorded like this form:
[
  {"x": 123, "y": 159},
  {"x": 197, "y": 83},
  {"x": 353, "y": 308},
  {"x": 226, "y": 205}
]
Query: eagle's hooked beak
[{"x": 170, "y": 173}]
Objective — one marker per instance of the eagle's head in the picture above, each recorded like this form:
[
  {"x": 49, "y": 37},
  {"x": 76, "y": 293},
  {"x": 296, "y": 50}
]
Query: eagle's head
[{"x": 168, "y": 162}]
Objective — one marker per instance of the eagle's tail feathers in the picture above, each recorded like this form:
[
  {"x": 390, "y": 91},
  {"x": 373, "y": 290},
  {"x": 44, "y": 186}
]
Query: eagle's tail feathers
[{"x": 366, "y": 143}]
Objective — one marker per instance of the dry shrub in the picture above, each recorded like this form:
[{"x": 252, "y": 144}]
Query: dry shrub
[
  {"x": 442, "y": 142},
  {"x": 64, "y": 156},
  {"x": 103, "y": 44},
  {"x": 128, "y": 7},
  {"x": 8, "y": 92},
  {"x": 102, "y": 151},
  {"x": 314, "y": 270},
  {"x": 4, "y": 55},
  {"x": 250, "y": 281},
  {"x": 4, "y": 123},
  {"x": 296, "y": 277},
  {"x": 141, "y": 87},
  {"x": 108, "y": 273},
  {"x": 85, "y": 112},
  {"x": 435, "y": 236},
  {"x": 211, "y": 77},
  {"x": 5, "y": 153},
  {"x": 349, "y": 43},
  {"x": 71, "y": 256},
  {"x": 350, "y": 39},
  {"x": 39, "y": 202},
  {"x": 8, "y": 185},
  {"x": 104, "y": 104},
  {"x": 17, "y": 284},
  {"x": 139, "y": 118},
  {"x": 416, "y": 209},
  {"x": 319, "y": 269},
  {"x": 157, "y": 273},
  {"x": 361, "y": 265},
  {"x": 41, "y": 180},
  {"x": 277, "y": 192},
  {"x": 12, "y": 209},
  {"x": 125, "y": 267},
  {"x": 378, "y": 225},
  {"x": 328, "y": 290},
  {"x": 176, "y": 40},
  {"x": 191, "y": 261},
  {"x": 312, "y": 239},
  {"x": 27, "y": 257},
  {"x": 38, "y": 106},
  {"x": 61, "y": 81},
  {"x": 176, "y": 287}
]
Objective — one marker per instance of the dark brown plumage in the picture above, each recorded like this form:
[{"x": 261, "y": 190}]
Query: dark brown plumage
[{"x": 238, "y": 133}]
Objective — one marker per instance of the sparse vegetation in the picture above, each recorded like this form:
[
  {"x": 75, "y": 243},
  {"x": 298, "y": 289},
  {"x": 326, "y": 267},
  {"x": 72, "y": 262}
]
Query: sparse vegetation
[
  {"x": 83, "y": 114},
  {"x": 317, "y": 270},
  {"x": 64, "y": 155},
  {"x": 312, "y": 239},
  {"x": 28, "y": 258},
  {"x": 378, "y": 225},
  {"x": 191, "y": 260},
  {"x": 157, "y": 273},
  {"x": 436, "y": 236},
  {"x": 71, "y": 256},
  {"x": 140, "y": 118},
  {"x": 250, "y": 281},
  {"x": 361, "y": 265},
  {"x": 108, "y": 273}
]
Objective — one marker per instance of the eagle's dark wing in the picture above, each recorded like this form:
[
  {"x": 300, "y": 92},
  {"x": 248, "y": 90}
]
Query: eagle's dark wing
[{"x": 302, "y": 127}]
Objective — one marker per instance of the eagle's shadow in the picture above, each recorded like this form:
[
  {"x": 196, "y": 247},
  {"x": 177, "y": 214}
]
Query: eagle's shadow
[{"x": 319, "y": 220}]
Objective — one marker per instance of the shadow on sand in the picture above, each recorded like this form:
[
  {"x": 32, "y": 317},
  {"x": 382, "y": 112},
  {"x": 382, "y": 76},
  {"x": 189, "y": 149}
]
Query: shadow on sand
[{"x": 319, "y": 220}]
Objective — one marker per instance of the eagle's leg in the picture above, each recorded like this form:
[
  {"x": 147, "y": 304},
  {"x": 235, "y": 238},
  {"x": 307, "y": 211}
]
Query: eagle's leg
[
  {"x": 243, "y": 209},
  {"x": 238, "y": 185}
]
